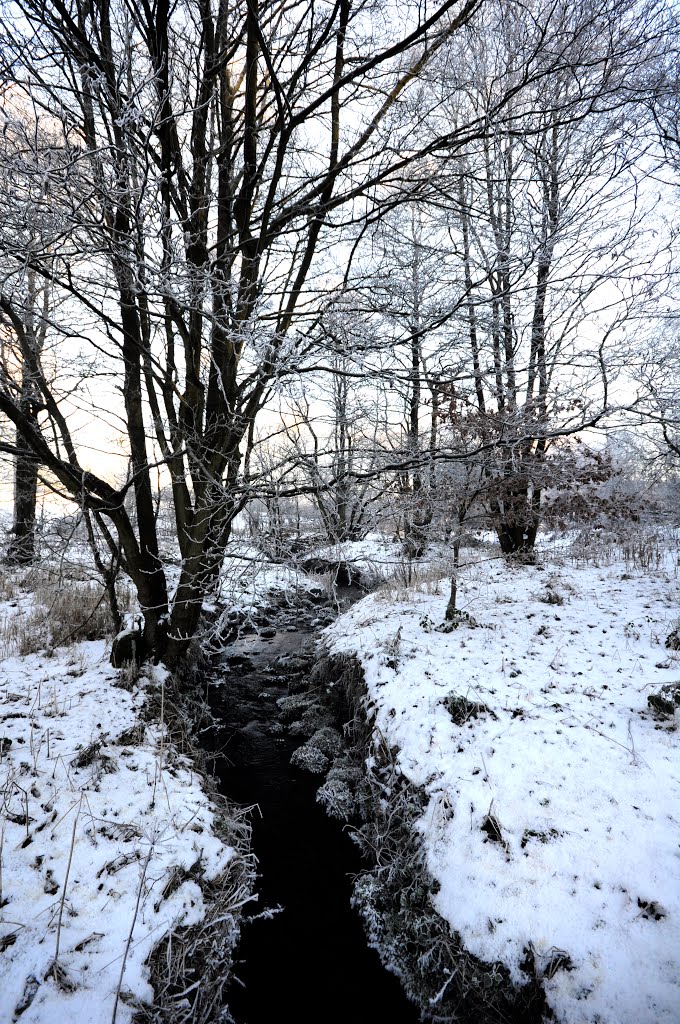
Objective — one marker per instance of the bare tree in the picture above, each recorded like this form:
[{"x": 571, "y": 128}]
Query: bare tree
[
  {"x": 412, "y": 294},
  {"x": 549, "y": 260},
  {"x": 549, "y": 222},
  {"x": 208, "y": 163},
  {"x": 204, "y": 157},
  {"x": 338, "y": 451}
]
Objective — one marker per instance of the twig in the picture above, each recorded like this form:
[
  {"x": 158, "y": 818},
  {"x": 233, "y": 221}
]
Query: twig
[
  {"x": 129, "y": 938},
  {"x": 68, "y": 868},
  {"x": 2, "y": 843}
]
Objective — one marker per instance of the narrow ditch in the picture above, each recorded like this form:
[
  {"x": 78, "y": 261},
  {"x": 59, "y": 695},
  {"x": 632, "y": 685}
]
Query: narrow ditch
[{"x": 304, "y": 957}]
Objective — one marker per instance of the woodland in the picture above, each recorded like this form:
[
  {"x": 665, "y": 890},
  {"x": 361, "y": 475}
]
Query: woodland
[
  {"x": 384, "y": 264},
  {"x": 339, "y": 442}
]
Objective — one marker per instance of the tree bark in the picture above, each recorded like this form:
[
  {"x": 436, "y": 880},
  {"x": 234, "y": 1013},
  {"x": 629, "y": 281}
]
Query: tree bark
[{"x": 21, "y": 550}]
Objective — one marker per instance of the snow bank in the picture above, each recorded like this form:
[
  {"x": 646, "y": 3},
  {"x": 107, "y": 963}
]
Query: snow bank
[
  {"x": 552, "y": 820},
  {"x": 249, "y": 581},
  {"x": 106, "y": 836}
]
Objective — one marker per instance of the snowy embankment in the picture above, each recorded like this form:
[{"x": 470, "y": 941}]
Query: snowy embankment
[
  {"x": 552, "y": 815},
  {"x": 108, "y": 842}
]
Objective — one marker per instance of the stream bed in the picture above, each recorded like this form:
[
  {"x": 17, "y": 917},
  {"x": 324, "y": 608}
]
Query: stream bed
[{"x": 308, "y": 961}]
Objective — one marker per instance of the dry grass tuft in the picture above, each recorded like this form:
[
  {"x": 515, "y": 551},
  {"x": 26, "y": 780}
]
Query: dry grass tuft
[
  {"x": 49, "y": 612},
  {"x": 190, "y": 967},
  {"x": 642, "y": 546}
]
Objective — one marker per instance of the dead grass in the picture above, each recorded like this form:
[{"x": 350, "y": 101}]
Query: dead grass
[
  {"x": 49, "y": 612},
  {"x": 426, "y": 579},
  {"x": 190, "y": 967},
  {"x": 641, "y": 546}
]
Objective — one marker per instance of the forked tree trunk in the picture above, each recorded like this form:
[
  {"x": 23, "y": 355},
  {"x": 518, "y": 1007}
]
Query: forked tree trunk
[{"x": 518, "y": 520}]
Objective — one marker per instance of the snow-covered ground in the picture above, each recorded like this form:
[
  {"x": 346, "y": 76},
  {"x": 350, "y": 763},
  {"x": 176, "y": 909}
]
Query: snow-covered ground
[
  {"x": 106, "y": 833},
  {"x": 249, "y": 580},
  {"x": 378, "y": 556},
  {"x": 106, "y": 837},
  {"x": 553, "y": 818},
  {"x": 553, "y": 815}
]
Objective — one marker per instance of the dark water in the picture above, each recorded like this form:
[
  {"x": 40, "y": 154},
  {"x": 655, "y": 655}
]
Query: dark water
[{"x": 308, "y": 964}]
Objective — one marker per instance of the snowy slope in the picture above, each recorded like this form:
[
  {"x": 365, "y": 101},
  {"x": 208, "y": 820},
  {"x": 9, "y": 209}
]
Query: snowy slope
[
  {"x": 101, "y": 823},
  {"x": 553, "y": 821}
]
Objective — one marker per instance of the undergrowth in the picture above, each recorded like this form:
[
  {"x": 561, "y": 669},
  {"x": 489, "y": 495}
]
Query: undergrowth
[
  {"x": 46, "y": 610},
  {"x": 641, "y": 546}
]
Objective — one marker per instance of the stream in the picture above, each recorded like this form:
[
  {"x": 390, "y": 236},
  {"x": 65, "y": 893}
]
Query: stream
[{"x": 309, "y": 961}]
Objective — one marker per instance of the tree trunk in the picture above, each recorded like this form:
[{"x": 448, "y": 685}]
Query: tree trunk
[
  {"x": 451, "y": 609},
  {"x": 518, "y": 520},
  {"x": 21, "y": 550}
]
